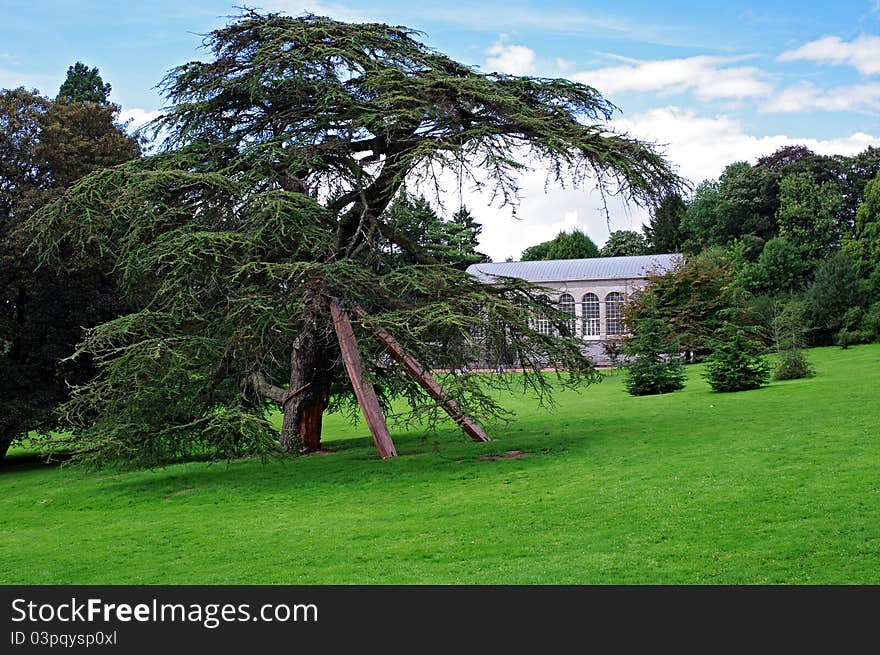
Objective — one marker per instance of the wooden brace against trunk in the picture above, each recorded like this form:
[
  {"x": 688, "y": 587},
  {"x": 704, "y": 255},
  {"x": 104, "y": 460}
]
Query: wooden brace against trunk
[{"x": 413, "y": 368}]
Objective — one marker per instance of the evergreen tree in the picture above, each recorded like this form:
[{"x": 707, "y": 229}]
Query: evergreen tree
[
  {"x": 736, "y": 362},
  {"x": 656, "y": 365},
  {"x": 84, "y": 85},
  {"x": 269, "y": 201},
  {"x": 663, "y": 232},
  {"x": 45, "y": 147}
]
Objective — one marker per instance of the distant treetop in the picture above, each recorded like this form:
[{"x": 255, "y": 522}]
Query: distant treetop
[{"x": 83, "y": 85}]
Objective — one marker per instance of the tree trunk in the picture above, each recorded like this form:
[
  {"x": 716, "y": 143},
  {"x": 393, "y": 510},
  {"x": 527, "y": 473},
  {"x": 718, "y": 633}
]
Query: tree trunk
[
  {"x": 303, "y": 419},
  {"x": 311, "y": 373}
]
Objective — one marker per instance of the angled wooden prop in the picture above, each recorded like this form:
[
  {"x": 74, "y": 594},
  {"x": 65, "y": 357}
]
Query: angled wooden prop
[
  {"x": 424, "y": 379},
  {"x": 364, "y": 391}
]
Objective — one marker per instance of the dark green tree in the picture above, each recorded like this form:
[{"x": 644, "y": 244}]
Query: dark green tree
[
  {"x": 268, "y": 202},
  {"x": 451, "y": 242},
  {"x": 741, "y": 204},
  {"x": 808, "y": 215},
  {"x": 565, "y": 245},
  {"x": 45, "y": 146},
  {"x": 863, "y": 248},
  {"x": 663, "y": 232},
  {"x": 623, "y": 243},
  {"x": 21, "y": 112},
  {"x": 84, "y": 85},
  {"x": 736, "y": 362},
  {"x": 833, "y": 292},
  {"x": 536, "y": 253},
  {"x": 781, "y": 268},
  {"x": 655, "y": 366}
]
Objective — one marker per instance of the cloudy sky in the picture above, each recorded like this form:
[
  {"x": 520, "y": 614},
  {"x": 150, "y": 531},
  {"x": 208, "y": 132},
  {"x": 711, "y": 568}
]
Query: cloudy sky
[{"x": 712, "y": 82}]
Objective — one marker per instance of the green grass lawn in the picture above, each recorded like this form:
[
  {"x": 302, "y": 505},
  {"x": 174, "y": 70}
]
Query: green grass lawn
[{"x": 776, "y": 485}]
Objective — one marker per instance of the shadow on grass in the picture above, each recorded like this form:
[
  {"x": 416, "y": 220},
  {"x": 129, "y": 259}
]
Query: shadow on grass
[
  {"x": 346, "y": 462},
  {"x": 28, "y": 461}
]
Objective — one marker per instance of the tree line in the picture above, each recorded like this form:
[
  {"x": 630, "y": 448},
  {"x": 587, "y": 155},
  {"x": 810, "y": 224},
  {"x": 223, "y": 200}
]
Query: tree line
[{"x": 778, "y": 255}]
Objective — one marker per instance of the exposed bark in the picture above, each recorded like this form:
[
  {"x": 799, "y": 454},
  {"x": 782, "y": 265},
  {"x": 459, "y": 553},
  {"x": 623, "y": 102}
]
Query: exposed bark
[{"x": 311, "y": 373}]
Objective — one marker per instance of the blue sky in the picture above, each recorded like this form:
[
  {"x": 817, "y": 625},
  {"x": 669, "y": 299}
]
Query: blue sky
[{"x": 712, "y": 82}]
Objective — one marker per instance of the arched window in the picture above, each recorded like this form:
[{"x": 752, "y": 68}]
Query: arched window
[
  {"x": 590, "y": 314},
  {"x": 566, "y": 304},
  {"x": 613, "y": 314}
]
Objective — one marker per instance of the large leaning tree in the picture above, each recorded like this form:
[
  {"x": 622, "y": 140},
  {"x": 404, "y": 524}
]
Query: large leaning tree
[{"x": 268, "y": 202}]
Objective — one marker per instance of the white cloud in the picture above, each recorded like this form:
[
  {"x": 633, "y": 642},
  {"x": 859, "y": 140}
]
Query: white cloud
[
  {"x": 807, "y": 96},
  {"x": 699, "y": 146},
  {"x": 509, "y": 58},
  {"x": 709, "y": 77},
  {"x": 565, "y": 64},
  {"x": 862, "y": 53},
  {"x": 702, "y": 146},
  {"x": 138, "y": 117}
]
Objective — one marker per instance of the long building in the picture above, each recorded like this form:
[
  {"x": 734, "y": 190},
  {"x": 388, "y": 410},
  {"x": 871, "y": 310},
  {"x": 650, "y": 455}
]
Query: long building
[{"x": 593, "y": 291}]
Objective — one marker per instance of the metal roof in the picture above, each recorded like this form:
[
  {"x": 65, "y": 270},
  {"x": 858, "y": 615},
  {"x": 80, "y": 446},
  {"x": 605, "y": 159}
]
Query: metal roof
[{"x": 567, "y": 270}]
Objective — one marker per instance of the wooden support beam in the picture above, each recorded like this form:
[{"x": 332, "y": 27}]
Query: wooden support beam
[
  {"x": 364, "y": 391},
  {"x": 425, "y": 380}
]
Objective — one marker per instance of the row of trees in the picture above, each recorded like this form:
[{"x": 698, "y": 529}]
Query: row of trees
[
  {"x": 781, "y": 255},
  {"x": 577, "y": 245}
]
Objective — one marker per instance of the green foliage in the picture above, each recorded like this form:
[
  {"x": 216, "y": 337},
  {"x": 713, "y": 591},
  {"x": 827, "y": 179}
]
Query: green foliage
[
  {"x": 44, "y": 147},
  {"x": 663, "y": 232},
  {"x": 871, "y": 322},
  {"x": 655, "y": 366},
  {"x": 451, "y": 242},
  {"x": 808, "y": 215},
  {"x": 83, "y": 85},
  {"x": 833, "y": 292},
  {"x": 270, "y": 199},
  {"x": 565, "y": 245},
  {"x": 623, "y": 243},
  {"x": 736, "y": 363},
  {"x": 689, "y": 299},
  {"x": 864, "y": 246},
  {"x": 781, "y": 268},
  {"x": 742, "y": 202},
  {"x": 789, "y": 336},
  {"x": 793, "y": 365}
]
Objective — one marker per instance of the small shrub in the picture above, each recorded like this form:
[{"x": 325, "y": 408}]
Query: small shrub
[
  {"x": 793, "y": 365},
  {"x": 789, "y": 329},
  {"x": 736, "y": 363},
  {"x": 846, "y": 338},
  {"x": 647, "y": 375},
  {"x": 871, "y": 322}
]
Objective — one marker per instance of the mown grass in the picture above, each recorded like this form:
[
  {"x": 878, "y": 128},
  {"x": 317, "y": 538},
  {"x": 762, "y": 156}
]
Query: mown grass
[{"x": 776, "y": 485}]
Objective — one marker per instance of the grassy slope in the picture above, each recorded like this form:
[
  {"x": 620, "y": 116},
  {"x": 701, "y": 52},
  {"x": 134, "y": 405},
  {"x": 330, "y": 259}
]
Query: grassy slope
[{"x": 777, "y": 485}]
